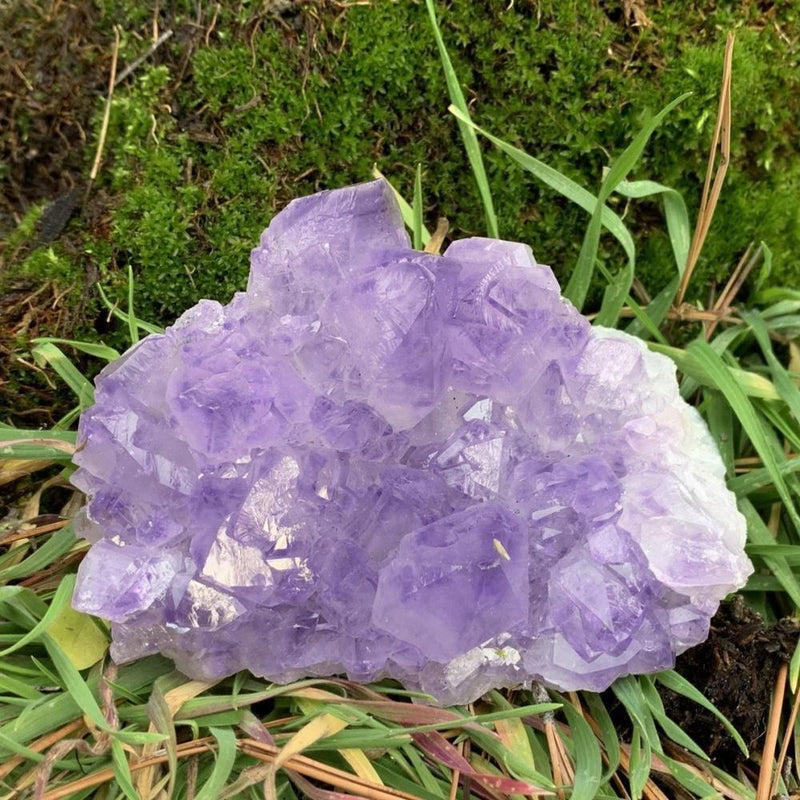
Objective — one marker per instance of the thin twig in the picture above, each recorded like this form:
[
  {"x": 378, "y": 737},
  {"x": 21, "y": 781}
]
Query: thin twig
[
  {"x": 555, "y": 759},
  {"x": 213, "y": 24},
  {"x": 740, "y": 272},
  {"x": 687, "y": 313},
  {"x": 20, "y": 74},
  {"x": 756, "y": 460},
  {"x": 455, "y": 777},
  {"x": 733, "y": 286},
  {"x": 436, "y": 241},
  {"x": 771, "y": 739},
  {"x": 106, "y": 113},
  {"x": 18, "y": 534},
  {"x": 711, "y": 191},
  {"x": 40, "y": 579},
  {"x": 137, "y": 62},
  {"x": 787, "y": 737},
  {"x": 640, "y": 291},
  {"x": 43, "y": 744}
]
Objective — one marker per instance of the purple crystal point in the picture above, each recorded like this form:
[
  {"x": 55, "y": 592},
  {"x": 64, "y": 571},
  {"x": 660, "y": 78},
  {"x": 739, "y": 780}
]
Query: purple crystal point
[
  {"x": 440, "y": 574},
  {"x": 382, "y": 462},
  {"x": 320, "y": 239}
]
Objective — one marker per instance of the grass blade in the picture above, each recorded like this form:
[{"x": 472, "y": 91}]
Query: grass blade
[
  {"x": 75, "y": 685},
  {"x": 675, "y": 213},
  {"x": 90, "y": 348},
  {"x": 749, "y": 383},
  {"x": 122, "y": 771},
  {"x": 226, "y": 755},
  {"x": 787, "y": 388},
  {"x": 61, "y": 598},
  {"x": 561, "y": 183},
  {"x": 513, "y": 733},
  {"x": 791, "y": 552},
  {"x": 417, "y": 209},
  {"x": 642, "y": 314},
  {"x": 319, "y": 727},
  {"x": 678, "y": 684},
  {"x": 406, "y": 211},
  {"x": 579, "y": 282},
  {"x": 423, "y": 773},
  {"x": 55, "y": 547},
  {"x": 49, "y": 354},
  {"x": 720, "y": 422},
  {"x": 639, "y": 770},
  {"x": 629, "y": 693},
  {"x": 675, "y": 733},
  {"x": 468, "y": 135},
  {"x": 759, "y": 534},
  {"x": 442, "y": 751},
  {"x": 121, "y": 315},
  {"x": 680, "y": 236},
  {"x": 8, "y": 433},
  {"x": 656, "y": 309},
  {"x": 689, "y": 780},
  {"x": 766, "y": 267},
  {"x": 588, "y": 761},
  {"x": 26, "y": 444},
  {"x": 794, "y": 669},
  {"x": 717, "y": 371},
  {"x": 133, "y": 328},
  {"x": 608, "y": 733}
]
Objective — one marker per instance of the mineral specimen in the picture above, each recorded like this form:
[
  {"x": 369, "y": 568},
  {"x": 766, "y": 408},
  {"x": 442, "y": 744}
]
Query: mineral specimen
[{"x": 381, "y": 462}]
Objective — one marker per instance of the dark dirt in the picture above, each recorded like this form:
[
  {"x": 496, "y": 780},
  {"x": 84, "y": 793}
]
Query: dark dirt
[
  {"x": 736, "y": 669},
  {"x": 54, "y": 63}
]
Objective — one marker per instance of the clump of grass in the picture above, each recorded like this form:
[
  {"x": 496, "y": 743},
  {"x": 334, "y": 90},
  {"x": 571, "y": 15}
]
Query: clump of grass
[{"x": 72, "y": 724}]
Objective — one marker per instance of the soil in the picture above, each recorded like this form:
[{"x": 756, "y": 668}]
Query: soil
[
  {"x": 48, "y": 93},
  {"x": 736, "y": 670}
]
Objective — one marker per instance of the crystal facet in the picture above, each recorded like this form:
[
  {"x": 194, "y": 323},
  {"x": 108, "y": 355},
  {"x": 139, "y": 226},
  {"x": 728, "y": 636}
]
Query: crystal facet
[{"x": 382, "y": 462}]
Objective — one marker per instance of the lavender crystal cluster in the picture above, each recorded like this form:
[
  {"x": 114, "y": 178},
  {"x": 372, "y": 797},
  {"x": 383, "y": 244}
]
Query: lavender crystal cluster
[{"x": 381, "y": 462}]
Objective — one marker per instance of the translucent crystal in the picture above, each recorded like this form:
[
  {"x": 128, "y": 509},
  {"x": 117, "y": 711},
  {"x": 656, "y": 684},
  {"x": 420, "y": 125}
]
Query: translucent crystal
[{"x": 381, "y": 462}]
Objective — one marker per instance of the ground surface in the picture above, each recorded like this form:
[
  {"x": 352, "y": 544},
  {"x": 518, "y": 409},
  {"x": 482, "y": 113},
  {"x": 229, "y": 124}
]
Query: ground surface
[
  {"x": 244, "y": 106},
  {"x": 735, "y": 669}
]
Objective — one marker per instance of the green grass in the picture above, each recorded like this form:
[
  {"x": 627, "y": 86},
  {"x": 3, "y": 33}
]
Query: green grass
[{"x": 80, "y": 726}]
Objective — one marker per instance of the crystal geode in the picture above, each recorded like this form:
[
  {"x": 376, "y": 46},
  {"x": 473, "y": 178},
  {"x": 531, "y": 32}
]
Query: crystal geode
[{"x": 381, "y": 462}]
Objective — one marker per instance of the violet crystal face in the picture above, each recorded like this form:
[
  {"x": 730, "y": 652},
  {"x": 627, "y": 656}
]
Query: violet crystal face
[{"x": 381, "y": 462}]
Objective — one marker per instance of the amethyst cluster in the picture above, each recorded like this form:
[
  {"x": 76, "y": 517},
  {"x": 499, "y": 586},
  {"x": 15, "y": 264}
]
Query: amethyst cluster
[{"x": 382, "y": 462}]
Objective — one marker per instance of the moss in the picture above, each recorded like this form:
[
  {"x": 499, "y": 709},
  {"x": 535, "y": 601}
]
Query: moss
[
  {"x": 48, "y": 263},
  {"x": 25, "y": 231},
  {"x": 207, "y": 141}
]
